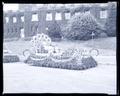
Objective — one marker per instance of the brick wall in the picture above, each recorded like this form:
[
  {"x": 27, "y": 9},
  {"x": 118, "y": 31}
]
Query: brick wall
[{"x": 31, "y": 28}]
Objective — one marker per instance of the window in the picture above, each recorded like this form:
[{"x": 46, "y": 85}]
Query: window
[
  {"x": 77, "y": 13},
  {"x": 67, "y": 15},
  {"x": 103, "y": 5},
  {"x": 14, "y": 19},
  {"x": 58, "y": 16},
  {"x": 49, "y": 17},
  {"x": 22, "y": 33},
  {"x": 35, "y": 17},
  {"x": 103, "y": 14},
  {"x": 22, "y": 18},
  {"x": 6, "y": 19},
  {"x": 87, "y": 12},
  {"x": 46, "y": 28}
]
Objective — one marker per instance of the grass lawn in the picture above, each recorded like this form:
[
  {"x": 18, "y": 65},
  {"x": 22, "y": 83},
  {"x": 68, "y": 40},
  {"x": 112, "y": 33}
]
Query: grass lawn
[
  {"x": 106, "y": 46},
  {"x": 103, "y": 44}
]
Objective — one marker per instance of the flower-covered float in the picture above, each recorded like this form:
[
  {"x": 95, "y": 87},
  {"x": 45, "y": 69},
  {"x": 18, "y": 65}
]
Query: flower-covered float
[
  {"x": 45, "y": 54},
  {"x": 8, "y": 56}
]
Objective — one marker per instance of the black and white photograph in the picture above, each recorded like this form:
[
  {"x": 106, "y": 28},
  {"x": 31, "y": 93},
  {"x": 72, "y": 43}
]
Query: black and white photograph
[{"x": 60, "y": 48}]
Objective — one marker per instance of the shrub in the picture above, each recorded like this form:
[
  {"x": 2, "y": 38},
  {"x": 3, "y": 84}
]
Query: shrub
[
  {"x": 10, "y": 58},
  {"x": 81, "y": 26},
  {"x": 80, "y": 8},
  {"x": 103, "y": 35},
  {"x": 54, "y": 31}
]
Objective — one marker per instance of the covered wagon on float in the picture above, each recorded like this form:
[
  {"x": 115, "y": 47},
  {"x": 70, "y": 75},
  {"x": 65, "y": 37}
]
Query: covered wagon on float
[{"x": 44, "y": 53}]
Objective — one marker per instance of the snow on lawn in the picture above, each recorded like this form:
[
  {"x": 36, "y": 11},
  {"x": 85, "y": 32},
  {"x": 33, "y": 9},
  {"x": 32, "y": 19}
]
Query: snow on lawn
[{"x": 22, "y": 78}]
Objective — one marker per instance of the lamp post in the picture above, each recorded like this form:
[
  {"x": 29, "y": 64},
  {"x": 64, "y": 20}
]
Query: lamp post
[
  {"x": 93, "y": 51},
  {"x": 93, "y": 34}
]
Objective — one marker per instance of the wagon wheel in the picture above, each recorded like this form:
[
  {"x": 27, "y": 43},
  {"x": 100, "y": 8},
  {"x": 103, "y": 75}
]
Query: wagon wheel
[
  {"x": 94, "y": 52},
  {"x": 26, "y": 53}
]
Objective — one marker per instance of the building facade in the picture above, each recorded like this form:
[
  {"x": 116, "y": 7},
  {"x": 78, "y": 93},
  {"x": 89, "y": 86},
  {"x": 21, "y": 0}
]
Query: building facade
[{"x": 27, "y": 23}]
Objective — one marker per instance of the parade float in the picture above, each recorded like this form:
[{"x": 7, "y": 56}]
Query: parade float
[{"x": 44, "y": 53}]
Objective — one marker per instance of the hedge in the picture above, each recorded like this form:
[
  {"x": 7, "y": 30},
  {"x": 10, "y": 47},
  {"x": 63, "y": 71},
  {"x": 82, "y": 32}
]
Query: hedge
[{"x": 10, "y": 58}]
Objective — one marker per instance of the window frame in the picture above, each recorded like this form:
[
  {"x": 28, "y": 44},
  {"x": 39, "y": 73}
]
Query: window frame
[
  {"x": 49, "y": 18},
  {"x": 34, "y": 19},
  {"x": 22, "y": 19},
  {"x": 6, "y": 19},
  {"x": 103, "y": 14},
  {"x": 67, "y": 13},
  {"x": 14, "y": 19},
  {"x": 58, "y": 16}
]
